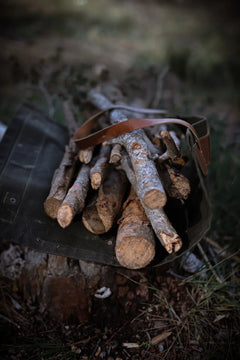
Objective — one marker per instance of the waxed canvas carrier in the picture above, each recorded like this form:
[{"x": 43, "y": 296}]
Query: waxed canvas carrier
[{"x": 32, "y": 149}]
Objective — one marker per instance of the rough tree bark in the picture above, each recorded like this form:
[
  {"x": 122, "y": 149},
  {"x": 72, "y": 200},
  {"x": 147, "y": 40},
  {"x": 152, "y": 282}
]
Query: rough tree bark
[
  {"x": 99, "y": 215},
  {"x": 75, "y": 199},
  {"x": 161, "y": 225},
  {"x": 135, "y": 241},
  {"x": 148, "y": 183},
  {"x": 64, "y": 173},
  {"x": 99, "y": 170}
]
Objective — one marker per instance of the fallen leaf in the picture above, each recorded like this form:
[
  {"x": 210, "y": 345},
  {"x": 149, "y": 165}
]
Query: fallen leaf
[{"x": 158, "y": 338}]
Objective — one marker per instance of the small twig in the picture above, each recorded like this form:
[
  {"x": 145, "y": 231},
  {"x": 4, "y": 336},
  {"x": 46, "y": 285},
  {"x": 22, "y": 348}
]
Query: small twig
[
  {"x": 204, "y": 255},
  {"x": 177, "y": 276},
  {"x": 212, "y": 254},
  {"x": 212, "y": 267},
  {"x": 115, "y": 155},
  {"x": 95, "y": 349},
  {"x": 224, "y": 252},
  {"x": 85, "y": 156}
]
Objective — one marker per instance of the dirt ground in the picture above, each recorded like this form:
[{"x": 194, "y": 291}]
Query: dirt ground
[{"x": 50, "y": 49}]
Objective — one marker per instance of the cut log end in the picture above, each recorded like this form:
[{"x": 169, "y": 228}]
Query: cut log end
[
  {"x": 96, "y": 180},
  {"x": 85, "y": 156},
  {"x": 65, "y": 216},
  {"x": 155, "y": 199},
  {"x": 115, "y": 154},
  {"x": 135, "y": 252},
  {"x": 171, "y": 243},
  {"x": 92, "y": 221},
  {"x": 51, "y": 207}
]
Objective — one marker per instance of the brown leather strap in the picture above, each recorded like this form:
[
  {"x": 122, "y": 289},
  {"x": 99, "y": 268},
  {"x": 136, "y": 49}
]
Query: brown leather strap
[
  {"x": 88, "y": 125},
  {"x": 83, "y": 140}
]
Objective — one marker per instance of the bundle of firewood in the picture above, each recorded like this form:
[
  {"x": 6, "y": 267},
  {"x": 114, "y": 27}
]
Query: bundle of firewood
[{"x": 123, "y": 183}]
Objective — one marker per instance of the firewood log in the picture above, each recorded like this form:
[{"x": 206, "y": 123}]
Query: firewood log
[
  {"x": 74, "y": 201},
  {"x": 85, "y": 156},
  {"x": 175, "y": 183},
  {"x": 135, "y": 241},
  {"x": 63, "y": 175},
  {"x": 161, "y": 225},
  {"x": 115, "y": 155},
  {"x": 148, "y": 183},
  {"x": 99, "y": 215},
  {"x": 98, "y": 171},
  {"x": 61, "y": 180}
]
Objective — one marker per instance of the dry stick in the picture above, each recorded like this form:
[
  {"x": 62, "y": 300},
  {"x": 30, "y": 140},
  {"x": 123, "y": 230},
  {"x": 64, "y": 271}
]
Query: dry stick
[
  {"x": 204, "y": 255},
  {"x": 135, "y": 243},
  {"x": 148, "y": 183},
  {"x": 64, "y": 173},
  {"x": 61, "y": 181},
  {"x": 223, "y": 252},
  {"x": 175, "y": 138},
  {"x": 98, "y": 171},
  {"x": 161, "y": 225},
  {"x": 173, "y": 151},
  {"x": 99, "y": 215},
  {"x": 115, "y": 155},
  {"x": 175, "y": 184},
  {"x": 75, "y": 199},
  {"x": 85, "y": 156}
]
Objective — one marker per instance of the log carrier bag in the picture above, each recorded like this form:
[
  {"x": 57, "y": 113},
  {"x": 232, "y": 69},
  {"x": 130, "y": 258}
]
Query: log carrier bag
[{"x": 32, "y": 149}]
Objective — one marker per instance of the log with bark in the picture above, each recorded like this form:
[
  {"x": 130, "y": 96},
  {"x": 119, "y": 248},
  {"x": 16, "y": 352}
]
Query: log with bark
[
  {"x": 115, "y": 155},
  {"x": 85, "y": 156},
  {"x": 153, "y": 172},
  {"x": 74, "y": 201},
  {"x": 99, "y": 215},
  {"x": 147, "y": 180},
  {"x": 64, "y": 173},
  {"x": 142, "y": 217},
  {"x": 99, "y": 170},
  {"x": 161, "y": 225},
  {"x": 135, "y": 240}
]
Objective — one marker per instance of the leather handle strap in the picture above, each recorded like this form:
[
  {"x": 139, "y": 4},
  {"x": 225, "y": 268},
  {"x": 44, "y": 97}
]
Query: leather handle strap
[
  {"x": 88, "y": 125},
  {"x": 84, "y": 140}
]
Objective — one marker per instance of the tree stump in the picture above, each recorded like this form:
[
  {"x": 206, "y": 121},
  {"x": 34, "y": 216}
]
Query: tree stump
[{"x": 60, "y": 287}]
